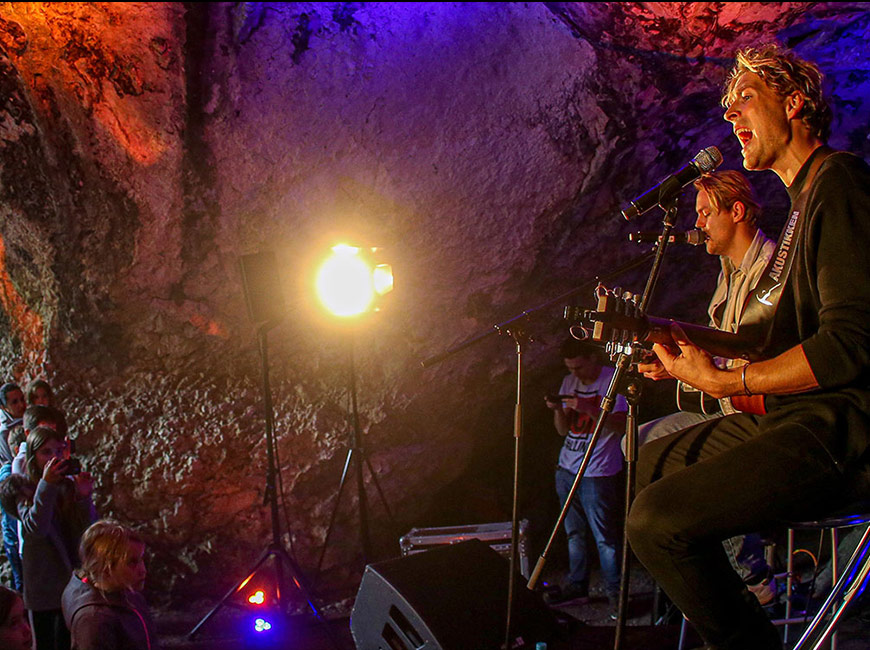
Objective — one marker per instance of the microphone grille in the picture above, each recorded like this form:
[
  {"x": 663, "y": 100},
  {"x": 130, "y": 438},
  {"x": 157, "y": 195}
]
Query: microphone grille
[
  {"x": 695, "y": 237},
  {"x": 708, "y": 159}
]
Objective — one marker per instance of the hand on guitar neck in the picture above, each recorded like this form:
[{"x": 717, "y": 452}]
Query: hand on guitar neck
[
  {"x": 683, "y": 360},
  {"x": 685, "y": 352}
]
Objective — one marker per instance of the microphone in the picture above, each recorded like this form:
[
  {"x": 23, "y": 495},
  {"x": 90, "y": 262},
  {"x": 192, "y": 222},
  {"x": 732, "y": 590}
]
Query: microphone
[
  {"x": 691, "y": 237},
  {"x": 706, "y": 161}
]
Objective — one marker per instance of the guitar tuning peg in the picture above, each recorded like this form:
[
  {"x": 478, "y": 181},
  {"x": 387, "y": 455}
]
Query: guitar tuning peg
[{"x": 579, "y": 333}]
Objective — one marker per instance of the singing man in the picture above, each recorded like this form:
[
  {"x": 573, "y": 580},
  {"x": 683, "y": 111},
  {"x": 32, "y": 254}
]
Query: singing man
[{"x": 807, "y": 455}]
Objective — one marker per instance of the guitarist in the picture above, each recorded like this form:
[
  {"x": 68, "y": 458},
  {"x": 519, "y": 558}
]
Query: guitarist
[
  {"x": 808, "y": 455},
  {"x": 728, "y": 215}
]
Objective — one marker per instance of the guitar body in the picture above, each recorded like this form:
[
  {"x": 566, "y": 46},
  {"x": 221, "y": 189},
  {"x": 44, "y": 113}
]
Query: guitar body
[{"x": 752, "y": 404}]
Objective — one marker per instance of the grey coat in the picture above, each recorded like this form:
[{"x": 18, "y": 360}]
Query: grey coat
[{"x": 48, "y": 558}]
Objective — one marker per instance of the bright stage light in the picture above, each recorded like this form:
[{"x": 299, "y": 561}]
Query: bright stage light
[
  {"x": 382, "y": 279},
  {"x": 257, "y": 598},
  {"x": 348, "y": 283},
  {"x": 262, "y": 625}
]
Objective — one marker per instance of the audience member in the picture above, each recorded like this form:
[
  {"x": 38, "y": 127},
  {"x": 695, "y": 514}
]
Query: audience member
[
  {"x": 103, "y": 604},
  {"x": 39, "y": 392},
  {"x": 13, "y": 489},
  {"x": 14, "y": 629},
  {"x": 12, "y": 407},
  {"x": 52, "y": 523},
  {"x": 38, "y": 416},
  {"x": 9, "y": 519}
]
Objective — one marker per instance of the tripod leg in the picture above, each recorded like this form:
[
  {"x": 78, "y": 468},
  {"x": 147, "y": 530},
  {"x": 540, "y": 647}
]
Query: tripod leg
[
  {"x": 236, "y": 587},
  {"x": 341, "y": 483},
  {"x": 365, "y": 538}
]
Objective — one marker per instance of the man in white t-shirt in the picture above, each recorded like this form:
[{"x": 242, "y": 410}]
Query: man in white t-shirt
[{"x": 597, "y": 502}]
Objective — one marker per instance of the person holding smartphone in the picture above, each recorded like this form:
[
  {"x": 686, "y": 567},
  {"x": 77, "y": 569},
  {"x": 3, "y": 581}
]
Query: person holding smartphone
[{"x": 52, "y": 523}]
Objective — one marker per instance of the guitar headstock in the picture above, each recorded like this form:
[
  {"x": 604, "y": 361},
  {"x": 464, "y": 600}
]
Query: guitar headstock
[{"x": 618, "y": 321}]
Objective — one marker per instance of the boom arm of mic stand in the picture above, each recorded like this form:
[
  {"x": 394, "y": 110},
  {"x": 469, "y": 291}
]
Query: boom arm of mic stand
[{"x": 498, "y": 328}]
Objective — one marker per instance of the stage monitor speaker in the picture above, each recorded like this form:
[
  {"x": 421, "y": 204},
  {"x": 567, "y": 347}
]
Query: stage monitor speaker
[
  {"x": 263, "y": 293},
  {"x": 452, "y": 597}
]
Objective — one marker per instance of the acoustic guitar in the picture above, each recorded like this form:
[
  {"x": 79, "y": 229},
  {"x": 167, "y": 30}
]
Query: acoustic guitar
[{"x": 619, "y": 322}]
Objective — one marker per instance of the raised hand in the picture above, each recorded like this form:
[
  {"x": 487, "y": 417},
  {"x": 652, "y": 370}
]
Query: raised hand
[
  {"x": 84, "y": 485},
  {"x": 53, "y": 470}
]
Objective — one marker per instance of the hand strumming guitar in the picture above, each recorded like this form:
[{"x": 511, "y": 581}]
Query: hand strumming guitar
[{"x": 691, "y": 365}]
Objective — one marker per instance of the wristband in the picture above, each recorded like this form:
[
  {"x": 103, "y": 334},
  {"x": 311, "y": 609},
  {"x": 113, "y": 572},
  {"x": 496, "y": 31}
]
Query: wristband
[{"x": 746, "y": 390}]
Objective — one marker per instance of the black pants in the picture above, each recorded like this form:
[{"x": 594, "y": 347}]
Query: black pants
[
  {"x": 49, "y": 630},
  {"x": 718, "y": 479}
]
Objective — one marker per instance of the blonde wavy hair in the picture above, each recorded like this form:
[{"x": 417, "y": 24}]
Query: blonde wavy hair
[
  {"x": 105, "y": 546},
  {"x": 728, "y": 187},
  {"x": 785, "y": 73}
]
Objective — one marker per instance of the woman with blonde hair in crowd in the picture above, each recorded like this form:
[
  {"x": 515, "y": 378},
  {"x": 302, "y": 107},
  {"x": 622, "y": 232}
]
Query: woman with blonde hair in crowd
[{"x": 103, "y": 604}]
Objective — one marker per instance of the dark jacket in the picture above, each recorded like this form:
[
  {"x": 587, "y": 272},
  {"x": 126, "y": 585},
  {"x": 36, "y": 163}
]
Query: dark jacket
[
  {"x": 98, "y": 620},
  {"x": 825, "y": 306},
  {"x": 50, "y": 543}
]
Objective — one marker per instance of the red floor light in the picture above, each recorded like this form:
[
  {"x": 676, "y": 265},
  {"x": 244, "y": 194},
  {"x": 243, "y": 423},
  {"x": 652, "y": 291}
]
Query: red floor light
[{"x": 257, "y": 598}]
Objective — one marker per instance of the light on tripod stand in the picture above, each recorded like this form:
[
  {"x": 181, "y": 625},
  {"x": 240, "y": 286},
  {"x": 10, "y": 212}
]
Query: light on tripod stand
[{"x": 350, "y": 281}]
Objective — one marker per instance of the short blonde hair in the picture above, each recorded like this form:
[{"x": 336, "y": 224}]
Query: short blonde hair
[
  {"x": 728, "y": 187},
  {"x": 105, "y": 546},
  {"x": 785, "y": 74}
]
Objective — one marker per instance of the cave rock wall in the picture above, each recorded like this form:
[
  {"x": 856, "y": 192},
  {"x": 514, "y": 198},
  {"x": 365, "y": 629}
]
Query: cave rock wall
[{"x": 145, "y": 147}]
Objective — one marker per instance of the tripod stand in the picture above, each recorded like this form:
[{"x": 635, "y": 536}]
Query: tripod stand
[
  {"x": 356, "y": 458},
  {"x": 285, "y": 566}
]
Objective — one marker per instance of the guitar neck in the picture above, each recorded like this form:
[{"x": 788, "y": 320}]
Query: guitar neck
[{"x": 716, "y": 342}]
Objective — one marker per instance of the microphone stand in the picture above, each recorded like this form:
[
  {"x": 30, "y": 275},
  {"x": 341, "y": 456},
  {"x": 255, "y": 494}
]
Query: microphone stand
[
  {"x": 621, "y": 382},
  {"x": 514, "y": 327}
]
